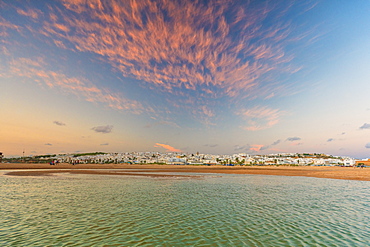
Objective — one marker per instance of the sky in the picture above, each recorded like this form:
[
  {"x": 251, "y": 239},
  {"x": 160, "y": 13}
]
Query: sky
[{"x": 218, "y": 77}]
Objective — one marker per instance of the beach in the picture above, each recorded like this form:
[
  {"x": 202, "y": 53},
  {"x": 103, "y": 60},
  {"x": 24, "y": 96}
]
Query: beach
[{"x": 333, "y": 172}]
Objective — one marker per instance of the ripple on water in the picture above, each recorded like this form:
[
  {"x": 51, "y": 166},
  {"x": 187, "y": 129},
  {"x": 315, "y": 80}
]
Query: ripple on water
[{"x": 231, "y": 210}]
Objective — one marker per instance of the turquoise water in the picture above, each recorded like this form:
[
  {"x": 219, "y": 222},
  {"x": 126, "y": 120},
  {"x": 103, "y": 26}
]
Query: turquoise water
[{"x": 215, "y": 210}]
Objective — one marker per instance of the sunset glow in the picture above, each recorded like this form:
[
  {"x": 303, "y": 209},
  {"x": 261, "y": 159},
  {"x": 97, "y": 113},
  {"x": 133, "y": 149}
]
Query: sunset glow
[{"x": 222, "y": 77}]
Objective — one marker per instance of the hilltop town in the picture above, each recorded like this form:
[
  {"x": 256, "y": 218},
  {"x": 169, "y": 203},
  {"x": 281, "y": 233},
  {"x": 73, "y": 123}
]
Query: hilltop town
[{"x": 292, "y": 159}]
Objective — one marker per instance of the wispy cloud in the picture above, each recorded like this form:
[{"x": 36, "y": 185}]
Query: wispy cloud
[
  {"x": 367, "y": 145},
  {"x": 168, "y": 147},
  {"x": 330, "y": 140},
  {"x": 264, "y": 148},
  {"x": 5, "y": 26},
  {"x": 104, "y": 144},
  {"x": 365, "y": 126},
  {"x": 260, "y": 117},
  {"x": 204, "y": 114},
  {"x": 297, "y": 144},
  {"x": 244, "y": 148},
  {"x": 33, "y": 13},
  {"x": 59, "y": 123},
  {"x": 48, "y": 144},
  {"x": 211, "y": 145},
  {"x": 150, "y": 125},
  {"x": 103, "y": 129},
  {"x": 292, "y": 139},
  {"x": 272, "y": 144},
  {"x": 270, "y": 96},
  {"x": 276, "y": 142},
  {"x": 35, "y": 69}
]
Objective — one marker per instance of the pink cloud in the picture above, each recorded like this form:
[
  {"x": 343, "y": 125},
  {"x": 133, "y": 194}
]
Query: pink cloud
[
  {"x": 199, "y": 51},
  {"x": 177, "y": 51},
  {"x": 33, "y": 13},
  {"x": 168, "y": 148},
  {"x": 5, "y": 25},
  {"x": 256, "y": 147}
]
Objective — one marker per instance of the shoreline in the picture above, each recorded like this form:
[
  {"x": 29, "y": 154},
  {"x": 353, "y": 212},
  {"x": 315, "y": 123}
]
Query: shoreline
[{"x": 346, "y": 173}]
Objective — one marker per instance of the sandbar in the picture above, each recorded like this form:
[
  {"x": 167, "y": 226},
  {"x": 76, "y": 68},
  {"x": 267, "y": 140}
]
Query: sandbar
[{"x": 335, "y": 172}]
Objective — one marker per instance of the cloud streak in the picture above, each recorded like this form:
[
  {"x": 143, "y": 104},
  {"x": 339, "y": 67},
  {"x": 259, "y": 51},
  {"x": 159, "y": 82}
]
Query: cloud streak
[
  {"x": 32, "y": 13},
  {"x": 260, "y": 117},
  {"x": 239, "y": 148},
  {"x": 5, "y": 26},
  {"x": 161, "y": 123},
  {"x": 272, "y": 144},
  {"x": 168, "y": 148},
  {"x": 275, "y": 142},
  {"x": 211, "y": 145},
  {"x": 59, "y": 123},
  {"x": 292, "y": 139},
  {"x": 34, "y": 69}
]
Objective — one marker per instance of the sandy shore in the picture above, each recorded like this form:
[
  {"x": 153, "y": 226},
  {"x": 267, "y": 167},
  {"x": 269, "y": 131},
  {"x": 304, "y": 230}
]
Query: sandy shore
[{"x": 348, "y": 173}]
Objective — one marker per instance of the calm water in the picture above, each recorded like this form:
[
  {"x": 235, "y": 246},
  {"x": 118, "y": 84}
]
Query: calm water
[{"x": 226, "y": 210}]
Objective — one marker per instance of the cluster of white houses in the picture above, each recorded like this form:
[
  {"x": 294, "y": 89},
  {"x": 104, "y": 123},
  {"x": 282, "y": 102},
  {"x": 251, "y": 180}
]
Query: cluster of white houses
[{"x": 207, "y": 159}]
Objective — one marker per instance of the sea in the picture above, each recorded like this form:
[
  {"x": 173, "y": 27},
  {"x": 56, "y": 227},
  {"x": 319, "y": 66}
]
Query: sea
[{"x": 205, "y": 210}]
